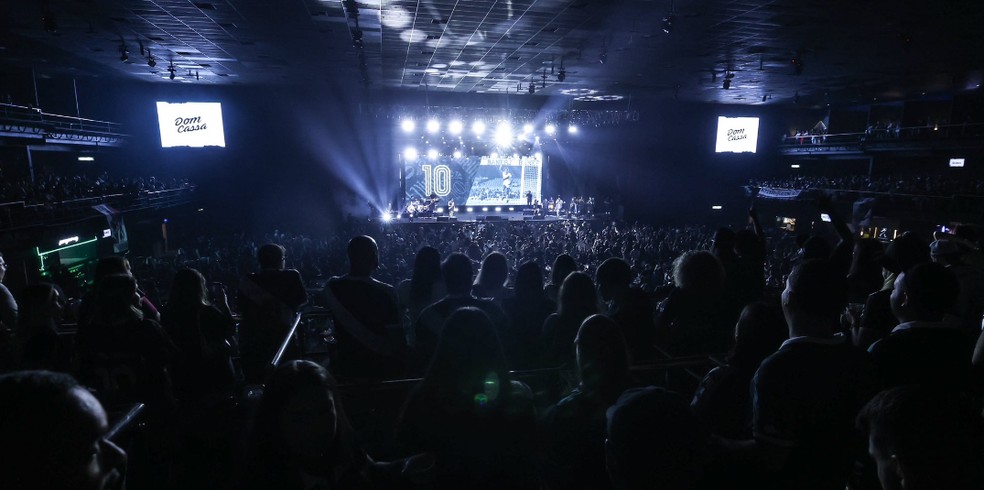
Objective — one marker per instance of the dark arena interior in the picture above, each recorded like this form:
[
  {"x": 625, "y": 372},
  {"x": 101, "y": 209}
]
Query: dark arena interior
[{"x": 516, "y": 244}]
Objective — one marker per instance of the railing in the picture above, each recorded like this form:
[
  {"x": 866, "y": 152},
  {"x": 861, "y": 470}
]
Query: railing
[
  {"x": 16, "y": 214},
  {"x": 29, "y": 122},
  {"x": 126, "y": 423},
  {"x": 285, "y": 343},
  {"x": 888, "y": 137}
]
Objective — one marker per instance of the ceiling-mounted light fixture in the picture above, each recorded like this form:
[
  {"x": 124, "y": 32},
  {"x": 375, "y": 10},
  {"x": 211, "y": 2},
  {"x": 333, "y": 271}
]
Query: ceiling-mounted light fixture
[
  {"x": 151, "y": 62},
  {"x": 797, "y": 65},
  {"x": 667, "y": 23},
  {"x": 141, "y": 47},
  {"x": 532, "y": 88},
  {"x": 124, "y": 54},
  {"x": 562, "y": 74},
  {"x": 171, "y": 69},
  {"x": 727, "y": 80}
]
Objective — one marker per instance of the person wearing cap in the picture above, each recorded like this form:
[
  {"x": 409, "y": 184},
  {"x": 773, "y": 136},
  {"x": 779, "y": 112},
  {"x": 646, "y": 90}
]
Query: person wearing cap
[{"x": 970, "y": 303}]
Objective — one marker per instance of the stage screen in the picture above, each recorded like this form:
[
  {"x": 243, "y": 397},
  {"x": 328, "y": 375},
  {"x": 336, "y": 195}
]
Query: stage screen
[
  {"x": 193, "y": 124},
  {"x": 475, "y": 180},
  {"x": 737, "y": 134}
]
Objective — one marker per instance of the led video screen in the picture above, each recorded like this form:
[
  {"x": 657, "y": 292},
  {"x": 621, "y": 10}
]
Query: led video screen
[
  {"x": 737, "y": 135},
  {"x": 474, "y": 180},
  {"x": 191, "y": 124}
]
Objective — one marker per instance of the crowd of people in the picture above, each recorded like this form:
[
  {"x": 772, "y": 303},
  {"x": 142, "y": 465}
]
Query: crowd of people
[
  {"x": 920, "y": 185},
  {"x": 50, "y": 188},
  {"x": 861, "y": 345}
]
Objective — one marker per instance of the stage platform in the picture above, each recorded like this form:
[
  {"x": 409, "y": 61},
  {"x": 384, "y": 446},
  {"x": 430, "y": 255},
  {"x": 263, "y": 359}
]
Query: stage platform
[{"x": 489, "y": 217}]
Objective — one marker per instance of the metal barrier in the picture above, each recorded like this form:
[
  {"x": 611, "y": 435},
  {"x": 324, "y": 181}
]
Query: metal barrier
[
  {"x": 126, "y": 423},
  {"x": 285, "y": 343}
]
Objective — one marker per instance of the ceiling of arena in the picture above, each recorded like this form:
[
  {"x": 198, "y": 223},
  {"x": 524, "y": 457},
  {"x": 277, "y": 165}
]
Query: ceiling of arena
[{"x": 779, "y": 51}]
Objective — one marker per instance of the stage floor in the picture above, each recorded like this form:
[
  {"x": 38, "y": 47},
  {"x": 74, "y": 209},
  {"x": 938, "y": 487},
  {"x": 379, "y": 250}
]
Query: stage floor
[{"x": 492, "y": 216}]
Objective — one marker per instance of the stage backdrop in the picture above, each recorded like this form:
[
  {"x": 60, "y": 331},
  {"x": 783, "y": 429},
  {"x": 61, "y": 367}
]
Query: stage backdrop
[{"x": 475, "y": 180}]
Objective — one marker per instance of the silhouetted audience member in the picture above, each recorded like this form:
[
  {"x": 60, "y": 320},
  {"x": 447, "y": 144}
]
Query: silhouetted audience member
[
  {"x": 806, "y": 395},
  {"x": 111, "y": 266},
  {"x": 562, "y": 267},
  {"x": 469, "y": 413},
  {"x": 123, "y": 355},
  {"x": 694, "y": 318},
  {"x": 204, "y": 335},
  {"x": 8, "y": 305},
  {"x": 301, "y": 438},
  {"x": 424, "y": 288},
  {"x": 573, "y": 430},
  {"x": 924, "y": 439},
  {"x": 457, "y": 273},
  {"x": 41, "y": 308},
  {"x": 877, "y": 319},
  {"x": 655, "y": 442},
  {"x": 53, "y": 435},
  {"x": 371, "y": 342},
  {"x": 527, "y": 309},
  {"x": 630, "y": 307},
  {"x": 969, "y": 306},
  {"x": 490, "y": 283},
  {"x": 927, "y": 347},
  {"x": 723, "y": 248},
  {"x": 865, "y": 274},
  {"x": 578, "y": 301},
  {"x": 268, "y": 301},
  {"x": 723, "y": 399}
]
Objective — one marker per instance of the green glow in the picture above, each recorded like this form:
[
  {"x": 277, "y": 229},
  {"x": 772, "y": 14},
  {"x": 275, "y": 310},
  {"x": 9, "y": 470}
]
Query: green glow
[{"x": 41, "y": 255}]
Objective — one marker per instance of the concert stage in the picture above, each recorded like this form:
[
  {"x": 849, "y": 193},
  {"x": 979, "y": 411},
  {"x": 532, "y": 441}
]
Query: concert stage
[{"x": 477, "y": 215}]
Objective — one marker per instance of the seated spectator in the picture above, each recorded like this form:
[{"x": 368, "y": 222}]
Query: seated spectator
[
  {"x": 122, "y": 355},
  {"x": 630, "y": 307},
  {"x": 573, "y": 430},
  {"x": 806, "y": 395},
  {"x": 371, "y": 342},
  {"x": 301, "y": 438},
  {"x": 923, "y": 439},
  {"x": 694, "y": 318},
  {"x": 54, "y": 435},
  {"x": 723, "y": 400},
  {"x": 969, "y": 306},
  {"x": 562, "y": 267},
  {"x": 578, "y": 301},
  {"x": 655, "y": 442},
  {"x": 8, "y": 306},
  {"x": 41, "y": 307},
  {"x": 204, "y": 336},
  {"x": 926, "y": 347},
  {"x": 424, "y": 288},
  {"x": 526, "y": 310},
  {"x": 457, "y": 272},
  {"x": 865, "y": 274},
  {"x": 268, "y": 301},
  {"x": 469, "y": 413},
  {"x": 877, "y": 319},
  {"x": 491, "y": 281},
  {"x": 109, "y": 266}
]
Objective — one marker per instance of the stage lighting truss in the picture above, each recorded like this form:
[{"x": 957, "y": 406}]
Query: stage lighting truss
[{"x": 598, "y": 98}]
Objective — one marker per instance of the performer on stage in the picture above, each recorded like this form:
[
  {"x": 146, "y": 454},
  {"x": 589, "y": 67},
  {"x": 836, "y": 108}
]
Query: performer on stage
[
  {"x": 558, "y": 205},
  {"x": 506, "y": 181},
  {"x": 529, "y": 198},
  {"x": 451, "y": 208}
]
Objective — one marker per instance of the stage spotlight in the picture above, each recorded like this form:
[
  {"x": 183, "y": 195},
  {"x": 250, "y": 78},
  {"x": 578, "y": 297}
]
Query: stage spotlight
[
  {"x": 457, "y": 153},
  {"x": 478, "y": 127},
  {"x": 407, "y": 125},
  {"x": 498, "y": 209},
  {"x": 433, "y": 126},
  {"x": 527, "y": 128},
  {"x": 454, "y": 127},
  {"x": 717, "y": 207},
  {"x": 410, "y": 154},
  {"x": 572, "y": 129},
  {"x": 503, "y": 134},
  {"x": 432, "y": 154},
  {"x": 512, "y": 208},
  {"x": 468, "y": 210},
  {"x": 485, "y": 209},
  {"x": 387, "y": 217},
  {"x": 550, "y": 129},
  {"x": 440, "y": 210}
]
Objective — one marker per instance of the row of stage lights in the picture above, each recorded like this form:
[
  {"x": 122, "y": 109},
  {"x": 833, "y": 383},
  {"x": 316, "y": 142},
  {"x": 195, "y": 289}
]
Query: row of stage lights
[
  {"x": 456, "y": 127},
  {"x": 411, "y": 154},
  {"x": 470, "y": 209}
]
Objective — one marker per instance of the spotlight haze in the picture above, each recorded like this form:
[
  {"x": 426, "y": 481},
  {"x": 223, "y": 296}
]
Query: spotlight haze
[
  {"x": 478, "y": 127},
  {"x": 407, "y": 125},
  {"x": 410, "y": 154},
  {"x": 457, "y": 153},
  {"x": 503, "y": 134},
  {"x": 455, "y": 127},
  {"x": 572, "y": 129},
  {"x": 550, "y": 129},
  {"x": 432, "y": 154},
  {"x": 527, "y": 128},
  {"x": 433, "y": 126}
]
